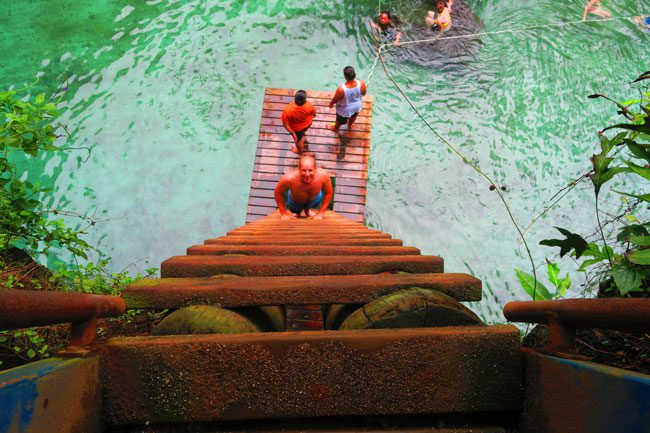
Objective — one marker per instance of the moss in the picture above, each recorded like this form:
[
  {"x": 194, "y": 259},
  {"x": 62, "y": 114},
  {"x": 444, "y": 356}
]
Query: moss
[
  {"x": 204, "y": 319},
  {"x": 411, "y": 308}
]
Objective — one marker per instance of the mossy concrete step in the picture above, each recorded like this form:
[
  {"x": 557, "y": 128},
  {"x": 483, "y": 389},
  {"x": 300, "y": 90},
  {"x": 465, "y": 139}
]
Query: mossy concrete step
[
  {"x": 296, "y": 290},
  {"x": 313, "y": 240},
  {"x": 348, "y": 427},
  {"x": 203, "y": 378},
  {"x": 206, "y": 266},
  {"x": 299, "y": 250}
]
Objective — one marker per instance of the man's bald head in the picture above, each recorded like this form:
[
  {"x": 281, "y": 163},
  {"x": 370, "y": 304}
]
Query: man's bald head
[{"x": 307, "y": 160}]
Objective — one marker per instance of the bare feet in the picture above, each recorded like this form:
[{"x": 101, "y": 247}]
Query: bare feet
[
  {"x": 332, "y": 127},
  {"x": 294, "y": 149},
  {"x": 311, "y": 213},
  {"x": 318, "y": 216},
  {"x": 288, "y": 216}
]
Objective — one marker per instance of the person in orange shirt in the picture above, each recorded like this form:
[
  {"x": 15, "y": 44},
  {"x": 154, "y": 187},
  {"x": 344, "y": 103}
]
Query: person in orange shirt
[{"x": 297, "y": 118}]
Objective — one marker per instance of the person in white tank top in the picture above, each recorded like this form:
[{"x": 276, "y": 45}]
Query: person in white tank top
[{"x": 348, "y": 100}]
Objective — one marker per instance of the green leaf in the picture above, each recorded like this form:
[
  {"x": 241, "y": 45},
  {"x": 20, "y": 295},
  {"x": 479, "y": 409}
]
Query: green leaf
[
  {"x": 644, "y": 127},
  {"x": 626, "y": 277},
  {"x": 638, "y": 150},
  {"x": 644, "y": 197},
  {"x": 572, "y": 242},
  {"x": 641, "y": 241},
  {"x": 31, "y": 353},
  {"x": 553, "y": 271},
  {"x": 564, "y": 285},
  {"x": 639, "y": 257},
  {"x": 535, "y": 291},
  {"x": 641, "y": 171},
  {"x": 632, "y": 230}
]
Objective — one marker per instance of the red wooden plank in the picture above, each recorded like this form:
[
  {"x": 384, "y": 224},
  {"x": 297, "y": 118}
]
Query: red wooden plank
[
  {"x": 262, "y": 185},
  {"x": 350, "y": 181},
  {"x": 316, "y": 124},
  {"x": 261, "y": 210},
  {"x": 320, "y": 156},
  {"x": 349, "y": 190},
  {"x": 332, "y": 140},
  {"x": 321, "y": 107},
  {"x": 316, "y": 94},
  {"x": 293, "y": 163},
  {"x": 262, "y": 202},
  {"x": 348, "y": 207},
  {"x": 343, "y": 132},
  {"x": 358, "y": 217},
  {"x": 351, "y": 199},
  {"x": 332, "y": 171},
  {"x": 320, "y": 115},
  {"x": 316, "y": 144}
]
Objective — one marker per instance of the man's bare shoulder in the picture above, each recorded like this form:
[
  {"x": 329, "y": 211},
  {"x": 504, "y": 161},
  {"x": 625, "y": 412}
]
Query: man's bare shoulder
[{"x": 291, "y": 176}]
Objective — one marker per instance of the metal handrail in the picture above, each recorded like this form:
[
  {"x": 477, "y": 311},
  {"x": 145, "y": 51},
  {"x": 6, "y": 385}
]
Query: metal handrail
[
  {"x": 27, "y": 308},
  {"x": 564, "y": 316}
]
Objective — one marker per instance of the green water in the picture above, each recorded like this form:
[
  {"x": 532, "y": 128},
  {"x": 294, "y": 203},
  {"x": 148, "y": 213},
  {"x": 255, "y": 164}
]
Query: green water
[{"x": 168, "y": 94}]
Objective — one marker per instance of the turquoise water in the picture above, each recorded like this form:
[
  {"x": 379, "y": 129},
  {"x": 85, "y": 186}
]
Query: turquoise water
[{"x": 167, "y": 95}]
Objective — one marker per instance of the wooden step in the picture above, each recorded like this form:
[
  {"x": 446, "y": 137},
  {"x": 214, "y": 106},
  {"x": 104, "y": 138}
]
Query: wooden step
[
  {"x": 294, "y": 290},
  {"x": 205, "y": 378},
  {"x": 243, "y": 231},
  {"x": 299, "y": 250},
  {"x": 280, "y": 240},
  {"x": 206, "y": 266},
  {"x": 312, "y": 234}
]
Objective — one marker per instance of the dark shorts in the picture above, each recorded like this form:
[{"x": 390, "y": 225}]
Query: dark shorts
[
  {"x": 301, "y": 133},
  {"x": 299, "y": 207},
  {"x": 342, "y": 120}
]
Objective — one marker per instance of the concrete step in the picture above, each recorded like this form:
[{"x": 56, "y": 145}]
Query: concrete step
[
  {"x": 207, "y": 378},
  {"x": 206, "y": 266},
  {"x": 333, "y": 425},
  {"x": 296, "y": 290},
  {"x": 299, "y": 250},
  {"x": 314, "y": 240}
]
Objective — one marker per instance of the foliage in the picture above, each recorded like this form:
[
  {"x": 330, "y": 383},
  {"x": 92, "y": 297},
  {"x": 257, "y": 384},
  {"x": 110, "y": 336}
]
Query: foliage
[
  {"x": 28, "y": 126},
  {"x": 537, "y": 290},
  {"x": 621, "y": 268}
]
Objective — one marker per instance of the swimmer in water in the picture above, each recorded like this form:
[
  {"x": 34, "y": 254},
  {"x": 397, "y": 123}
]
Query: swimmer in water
[
  {"x": 643, "y": 21},
  {"x": 440, "y": 20},
  {"x": 593, "y": 7},
  {"x": 388, "y": 26}
]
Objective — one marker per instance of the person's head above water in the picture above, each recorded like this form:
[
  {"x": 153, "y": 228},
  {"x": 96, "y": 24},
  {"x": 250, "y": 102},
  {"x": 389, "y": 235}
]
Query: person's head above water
[
  {"x": 300, "y": 97},
  {"x": 307, "y": 168},
  {"x": 440, "y": 5},
  {"x": 384, "y": 18},
  {"x": 349, "y": 73}
]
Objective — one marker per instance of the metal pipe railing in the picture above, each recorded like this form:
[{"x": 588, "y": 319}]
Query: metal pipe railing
[
  {"x": 564, "y": 316},
  {"x": 27, "y": 308}
]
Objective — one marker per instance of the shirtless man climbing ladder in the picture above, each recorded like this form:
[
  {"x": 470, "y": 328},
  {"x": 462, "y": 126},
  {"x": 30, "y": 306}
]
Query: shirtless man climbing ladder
[{"x": 307, "y": 189}]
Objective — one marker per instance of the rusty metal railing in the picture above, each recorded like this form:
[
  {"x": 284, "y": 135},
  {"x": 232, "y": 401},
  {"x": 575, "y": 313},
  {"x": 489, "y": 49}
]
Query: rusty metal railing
[
  {"x": 27, "y": 308},
  {"x": 564, "y": 316}
]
